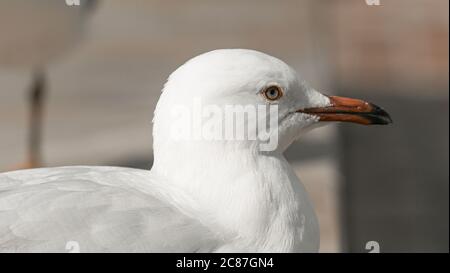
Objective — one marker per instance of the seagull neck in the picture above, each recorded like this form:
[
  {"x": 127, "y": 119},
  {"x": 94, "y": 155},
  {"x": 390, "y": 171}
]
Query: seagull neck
[{"x": 250, "y": 195}]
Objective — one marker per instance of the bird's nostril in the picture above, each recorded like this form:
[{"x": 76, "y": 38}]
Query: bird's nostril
[{"x": 377, "y": 109}]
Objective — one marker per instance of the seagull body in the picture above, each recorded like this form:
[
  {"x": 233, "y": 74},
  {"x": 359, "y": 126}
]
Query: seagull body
[
  {"x": 200, "y": 195},
  {"x": 104, "y": 209}
]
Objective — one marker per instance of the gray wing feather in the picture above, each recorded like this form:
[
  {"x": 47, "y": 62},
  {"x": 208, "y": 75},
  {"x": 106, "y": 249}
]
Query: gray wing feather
[{"x": 42, "y": 210}]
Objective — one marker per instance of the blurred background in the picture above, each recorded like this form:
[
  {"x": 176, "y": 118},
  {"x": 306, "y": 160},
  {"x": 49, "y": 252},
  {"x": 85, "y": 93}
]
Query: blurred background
[{"x": 106, "y": 64}]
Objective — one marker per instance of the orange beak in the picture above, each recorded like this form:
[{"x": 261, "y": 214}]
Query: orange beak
[{"x": 350, "y": 110}]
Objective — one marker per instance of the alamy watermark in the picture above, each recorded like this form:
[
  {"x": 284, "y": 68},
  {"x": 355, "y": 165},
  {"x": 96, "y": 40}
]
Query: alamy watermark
[
  {"x": 212, "y": 122},
  {"x": 73, "y": 247},
  {"x": 73, "y": 2},
  {"x": 373, "y": 247},
  {"x": 373, "y": 2}
]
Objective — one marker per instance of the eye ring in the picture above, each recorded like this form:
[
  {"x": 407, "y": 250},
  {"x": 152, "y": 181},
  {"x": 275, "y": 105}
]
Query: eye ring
[{"x": 272, "y": 93}]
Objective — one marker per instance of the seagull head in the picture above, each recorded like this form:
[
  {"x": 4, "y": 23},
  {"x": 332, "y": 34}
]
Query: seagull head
[
  {"x": 249, "y": 99},
  {"x": 221, "y": 125}
]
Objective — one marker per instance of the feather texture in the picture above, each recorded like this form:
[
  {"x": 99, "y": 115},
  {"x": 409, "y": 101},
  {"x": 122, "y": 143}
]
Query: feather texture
[{"x": 100, "y": 208}]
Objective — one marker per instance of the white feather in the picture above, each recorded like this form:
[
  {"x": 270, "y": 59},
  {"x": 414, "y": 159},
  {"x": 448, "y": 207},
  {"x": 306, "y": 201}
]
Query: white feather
[{"x": 104, "y": 209}]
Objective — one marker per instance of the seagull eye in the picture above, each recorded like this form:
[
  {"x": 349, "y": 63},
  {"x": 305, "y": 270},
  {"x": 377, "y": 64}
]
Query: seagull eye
[{"x": 273, "y": 93}]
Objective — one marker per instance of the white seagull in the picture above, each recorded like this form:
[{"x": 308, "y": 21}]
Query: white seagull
[
  {"x": 200, "y": 195},
  {"x": 33, "y": 34}
]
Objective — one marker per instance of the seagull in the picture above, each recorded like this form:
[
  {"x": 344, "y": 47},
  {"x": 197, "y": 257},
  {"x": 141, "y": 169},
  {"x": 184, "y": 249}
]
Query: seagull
[
  {"x": 35, "y": 33},
  {"x": 201, "y": 195}
]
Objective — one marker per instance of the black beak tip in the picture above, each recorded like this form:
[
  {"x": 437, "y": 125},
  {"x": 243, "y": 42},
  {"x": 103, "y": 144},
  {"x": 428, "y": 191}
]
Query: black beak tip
[{"x": 380, "y": 116}]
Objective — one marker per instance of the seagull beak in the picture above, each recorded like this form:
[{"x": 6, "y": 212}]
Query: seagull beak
[{"x": 350, "y": 110}]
